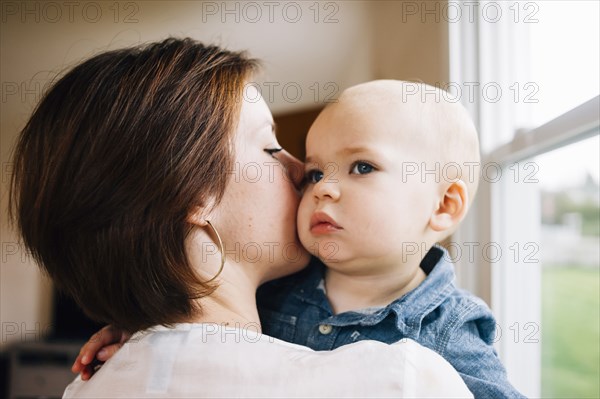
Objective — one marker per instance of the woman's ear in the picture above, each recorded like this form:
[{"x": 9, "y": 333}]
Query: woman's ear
[
  {"x": 452, "y": 208},
  {"x": 198, "y": 216},
  {"x": 202, "y": 212}
]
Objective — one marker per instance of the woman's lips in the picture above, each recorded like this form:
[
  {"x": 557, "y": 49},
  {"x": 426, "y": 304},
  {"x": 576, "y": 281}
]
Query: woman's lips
[{"x": 322, "y": 223}]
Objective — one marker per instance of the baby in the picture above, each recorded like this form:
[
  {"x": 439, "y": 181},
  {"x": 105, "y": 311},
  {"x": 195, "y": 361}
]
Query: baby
[
  {"x": 391, "y": 167},
  {"x": 391, "y": 170}
]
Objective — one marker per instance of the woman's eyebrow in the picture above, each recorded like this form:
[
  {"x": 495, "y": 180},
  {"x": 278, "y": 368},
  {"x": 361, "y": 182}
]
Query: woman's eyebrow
[{"x": 259, "y": 129}]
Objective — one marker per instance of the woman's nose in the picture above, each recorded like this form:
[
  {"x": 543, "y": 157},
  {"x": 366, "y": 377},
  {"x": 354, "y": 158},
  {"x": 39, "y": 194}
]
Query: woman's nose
[{"x": 294, "y": 169}]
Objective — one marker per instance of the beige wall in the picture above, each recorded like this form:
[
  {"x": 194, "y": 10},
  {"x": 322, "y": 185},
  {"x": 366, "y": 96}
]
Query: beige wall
[
  {"x": 359, "y": 42},
  {"x": 412, "y": 41}
]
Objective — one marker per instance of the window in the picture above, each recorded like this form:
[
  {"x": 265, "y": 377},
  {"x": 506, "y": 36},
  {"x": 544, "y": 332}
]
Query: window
[
  {"x": 569, "y": 257},
  {"x": 537, "y": 109}
]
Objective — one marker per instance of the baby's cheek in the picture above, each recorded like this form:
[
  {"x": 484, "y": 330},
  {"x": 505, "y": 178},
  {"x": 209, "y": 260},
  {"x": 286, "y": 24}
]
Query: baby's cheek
[
  {"x": 303, "y": 221},
  {"x": 309, "y": 243}
]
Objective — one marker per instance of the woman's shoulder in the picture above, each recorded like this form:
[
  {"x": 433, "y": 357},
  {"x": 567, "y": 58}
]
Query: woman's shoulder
[{"x": 210, "y": 360}]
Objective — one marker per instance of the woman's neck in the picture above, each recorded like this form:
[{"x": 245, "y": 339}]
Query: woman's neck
[{"x": 233, "y": 303}]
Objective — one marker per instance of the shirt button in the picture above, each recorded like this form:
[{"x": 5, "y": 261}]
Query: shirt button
[{"x": 325, "y": 329}]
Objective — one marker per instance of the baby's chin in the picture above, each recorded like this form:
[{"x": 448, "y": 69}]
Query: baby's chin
[{"x": 326, "y": 251}]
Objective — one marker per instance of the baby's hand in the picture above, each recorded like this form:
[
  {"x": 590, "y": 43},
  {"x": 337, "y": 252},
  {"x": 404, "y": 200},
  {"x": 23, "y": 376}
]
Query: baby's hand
[{"x": 99, "y": 348}]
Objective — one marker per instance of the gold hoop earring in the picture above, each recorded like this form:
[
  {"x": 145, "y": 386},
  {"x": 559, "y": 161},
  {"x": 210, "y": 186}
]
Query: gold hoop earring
[{"x": 221, "y": 250}]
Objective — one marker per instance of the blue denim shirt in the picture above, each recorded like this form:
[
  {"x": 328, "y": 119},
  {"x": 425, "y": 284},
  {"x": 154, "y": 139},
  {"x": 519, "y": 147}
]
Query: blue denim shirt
[{"x": 452, "y": 322}]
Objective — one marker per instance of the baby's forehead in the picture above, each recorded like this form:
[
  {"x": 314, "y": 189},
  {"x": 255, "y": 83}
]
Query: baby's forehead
[
  {"x": 415, "y": 104},
  {"x": 352, "y": 124},
  {"x": 400, "y": 112},
  {"x": 386, "y": 110},
  {"x": 394, "y": 95}
]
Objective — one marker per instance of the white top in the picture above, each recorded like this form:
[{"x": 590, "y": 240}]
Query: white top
[{"x": 208, "y": 360}]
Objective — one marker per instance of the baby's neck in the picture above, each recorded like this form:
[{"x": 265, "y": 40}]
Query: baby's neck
[{"x": 351, "y": 292}]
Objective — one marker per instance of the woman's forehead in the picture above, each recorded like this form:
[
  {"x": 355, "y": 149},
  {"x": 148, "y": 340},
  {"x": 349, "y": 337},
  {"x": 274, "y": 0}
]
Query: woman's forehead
[{"x": 255, "y": 114}]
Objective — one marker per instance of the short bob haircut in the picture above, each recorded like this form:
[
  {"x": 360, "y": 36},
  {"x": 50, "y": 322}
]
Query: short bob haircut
[{"x": 111, "y": 163}]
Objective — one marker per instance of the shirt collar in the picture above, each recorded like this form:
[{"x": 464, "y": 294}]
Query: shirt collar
[
  {"x": 312, "y": 288},
  {"x": 410, "y": 309}
]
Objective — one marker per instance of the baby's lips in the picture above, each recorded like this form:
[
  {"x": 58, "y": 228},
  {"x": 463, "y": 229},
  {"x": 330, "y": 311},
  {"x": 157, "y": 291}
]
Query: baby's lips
[{"x": 321, "y": 217}]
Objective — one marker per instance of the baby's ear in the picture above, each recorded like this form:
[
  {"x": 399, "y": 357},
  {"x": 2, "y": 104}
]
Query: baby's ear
[{"x": 452, "y": 207}]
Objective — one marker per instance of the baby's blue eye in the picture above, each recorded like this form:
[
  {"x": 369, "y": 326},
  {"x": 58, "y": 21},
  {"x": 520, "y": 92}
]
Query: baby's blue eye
[
  {"x": 362, "y": 168},
  {"x": 314, "y": 176}
]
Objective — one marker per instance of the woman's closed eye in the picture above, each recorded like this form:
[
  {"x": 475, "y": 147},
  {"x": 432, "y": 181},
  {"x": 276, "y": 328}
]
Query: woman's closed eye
[
  {"x": 273, "y": 151},
  {"x": 361, "y": 168}
]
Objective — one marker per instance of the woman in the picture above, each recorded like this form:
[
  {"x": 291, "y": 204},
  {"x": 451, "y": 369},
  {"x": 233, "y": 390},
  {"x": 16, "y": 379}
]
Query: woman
[{"x": 129, "y": 191}]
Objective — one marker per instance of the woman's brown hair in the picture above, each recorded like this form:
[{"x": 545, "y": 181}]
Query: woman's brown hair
[{"x": 109, "y": 166}]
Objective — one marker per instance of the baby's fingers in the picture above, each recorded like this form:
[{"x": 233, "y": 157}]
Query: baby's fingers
[
  {"x": 86, "y": 373},
  {"x": 78, "y": 366},
  {"x": 108, "y": 351},
  {"x": 108, "y": 335}
]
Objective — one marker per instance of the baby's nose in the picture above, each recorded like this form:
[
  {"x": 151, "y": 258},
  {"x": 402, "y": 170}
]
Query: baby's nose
[{"x": 327, "y": 187}]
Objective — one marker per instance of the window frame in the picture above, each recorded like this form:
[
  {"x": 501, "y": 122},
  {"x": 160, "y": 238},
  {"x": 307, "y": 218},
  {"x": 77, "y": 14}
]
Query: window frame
[{"x": 506, "y": 212}]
